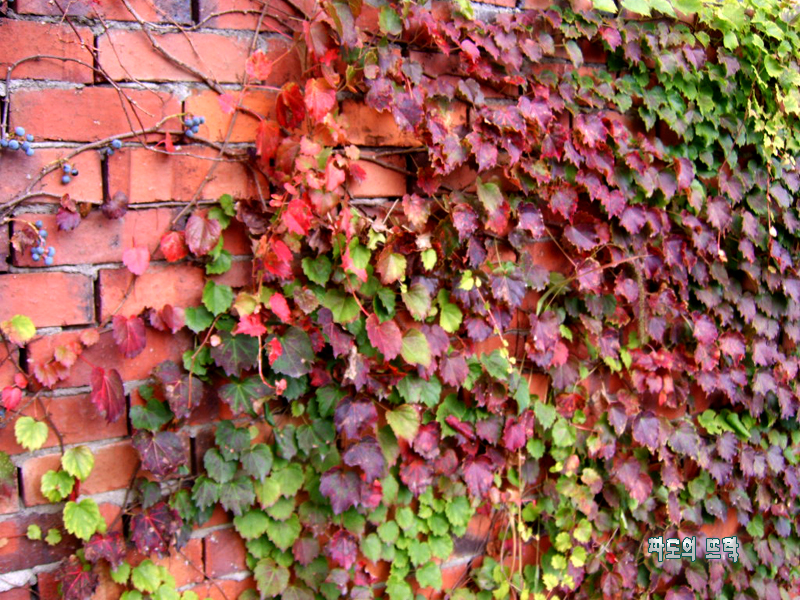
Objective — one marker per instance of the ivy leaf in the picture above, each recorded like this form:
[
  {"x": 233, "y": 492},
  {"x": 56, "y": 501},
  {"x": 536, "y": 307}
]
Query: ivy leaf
[
  {"x": 19, "y": 329},
  {"x": 129, "y": 335},
  {"x": 198, "y": 318},
  {"x": 459, "y": 511},
  {"x": 257, "y": 461},
  {"x": 353, "y": 417},
  {"x": 173, "y": 246},
  {"x": 82, "y": 519},
  {"x": 218, "y": 468},
  {"x": 146, "y": 576},
  {"x": 217, "y": 298},
  {"x": 417, "y": 300},
  {"x": 415, "y": 348},
  {"x": 237, "y": 495},
  {"x": 342, "y": 549},
  {"x": 78, "y": 462},
  {"x": 629, "y": 473},
  {"x": 605, "y": 6},
  {"x": 110, "y": 547},
  {"x": 479, "y": 475},
  {"x": 29, "y": 433},
  {"x": 153, "y": 529},
  {"x": 404, "y": 421},
  {"x": 342, "y": 488},
  {"x": 151, "y": 417},
  {"x": 251, "y": 524},
  {"x": 429, "y": 576},
  {"x": 162, "y": 453},
  {"x": 366, "y": 454},
  {"x": 76, "y": 583},
  {"x": 320, "y": 98},
  {"x": 297, "y": 356},
  {"x": 136, "y": 259},
  {"x": 235, "y": 353},
  {"x": 271, "y": 578},
  {"x": 239, "y": 395},
  {"x": 284, "y": 533},
  {"x": 318, "y": 269},
  {"x": 417, "y": 475},
  {"x": 202, "y": 234},
  {"x": 496, "y": 206},
  {"x": 386, "y": 337},
  {"x": 344, "y": 308},
  {"x": 183, "y": 392},
  {"x": 205, "y": 492},
  {"x": 57, "y": 485},
  {"x": 391, "y": 267}
]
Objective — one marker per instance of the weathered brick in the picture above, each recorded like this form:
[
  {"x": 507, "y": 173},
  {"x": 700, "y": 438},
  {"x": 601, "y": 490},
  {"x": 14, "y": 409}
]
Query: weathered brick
[
  {"x": 206, "y": 103},
  {"x": 149, "y": 10},
  {"x": 179, "y": 285},
  {"x": 151, "y": 177},
  {"x": 225, "y": 553},
  {"x": 9, "y": 502},
  {"x": 548, "y": 255},
  {"x": 244, "y": 14},
  {"x": 21, "y": 553},
  {"x": 161, "y": 346},
  {"x": 21, "y": 39},
  {"x": 114, "y": 467},
  {"x": 33, "y": 294},
  {"x": 365, "y": 126},
  {"x": 94, "y": 112},
  {"x": 129, "y": 55},
  {"x": 380, "y": 181},
  {"x": 7, "y": 366},
  {"x": 17, "y": 170},
  {"x": 19, "y": 593},
  {"x": 76, "y": 419}
]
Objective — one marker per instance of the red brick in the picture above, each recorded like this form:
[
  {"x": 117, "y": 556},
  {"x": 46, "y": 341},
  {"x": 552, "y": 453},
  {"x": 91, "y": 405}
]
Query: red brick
[
  {"x": 506, "y": 3},
  {"x": 21, "y": 39},
  {"x": 185, "y": 565},
  {"x": 102, "y": 240},
  {"x": 20, "y": 593},
  {"x": 21, "y": 553},
  {"x": 224, "y": 589},
  {"x": 538, "y": 4},
  {"x": 549, "y": 255},
  {"x": 17, "y": 170},
  {"x": 4, "y": 248},
  {"x": 278, "y": 17},
  {"x": 129, "y": 55},
  {"x": 380, "y": 181},
  {"x": 9, "y": 503},
  {"x": 161, "y": 346},
  {"x": 94, "y": 112},
  {"x": 114, "y": 467},
  {"x": 33, "y": 294},
  {"x": 7, "y": 366},
  {"x": 106, "y": 588},
  {"x": 206, "y": 103},
  {"x": 149, "y": 10},
  {"x": 147, "y": 176},
  {"x": 365, "y": 126},
  {"x": 225, "y": 553},
  {"x": 76, "y": 419},
  {"x": 179, "y": 285}
]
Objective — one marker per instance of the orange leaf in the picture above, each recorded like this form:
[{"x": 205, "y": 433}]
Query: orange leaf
[
  {"x": 320, "y": 98},
  {"x": 258, "y": 66}
]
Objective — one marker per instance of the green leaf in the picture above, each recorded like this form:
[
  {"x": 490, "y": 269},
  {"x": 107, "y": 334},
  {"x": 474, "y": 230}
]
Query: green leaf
[
  {"x": 34, "y": 532},
  {"x": 545, "y": 414},
  {"x": 391, "y": 266},
  {"x": 121, "y": 574},
  {"x": 496, "y": 365},
  {"x": 459, "y": 511},
  {"x": 82, "y": 519},
  {"x": 237, "y": 495},
  {"x": 429, "y": 258},
  {"x": 756, "y": 526},
  {"x": 390, "y": 22},
  {"x": 417, "y": 301},
  {"x": 56, "y": 485},
  {"x": 418, "y": 552},
  {"x": 297, "y": 356},
  {"x": 218, "y": 468},
  {"x": 220, "y": 216},
  {"x": 415, "y": 348},
  {"x": 290, "y": 479},
  {"x": 19, "y": 329},
  {"x": 384, "y": 303},
  {"x": 252, "y": 524},
  {"x": 318, "y": 269},
  {"x": 605, "y": 5},
  {"x": 53, "y": 537},
  {"x": 257, "y": 461},
  {"x": 217, "y": 298},
  {"x": 371, "y": 547},
  {"x": 146, "y": 577},
  {"x": 268, "y": 492},
  {"x": 271, "y": 578},
  {"x": 563, "y": 433},
  {"x": 343, "y": 307},
  {"x": 235, "y": 353},
  {"x": 198, "y": 318},
  {"x": 450, "y": 317},
  {"x": 227, "y": 205},
  {"x": 78, "y": 462},
  {"x": 430, "y": 576},
  {"x": 640, "y": 7},
  {"x": 221, "y": 264},
  {"x": 404, "y": 421},
  {"x": 30, "y": 434},
  {"x": 535, "y": 448},
  {"x": 151, "y": 417},
  {"x": 239, "y": 394},
  {"x": 388, "y": 532},
  {"x": 441, "y": 546}
]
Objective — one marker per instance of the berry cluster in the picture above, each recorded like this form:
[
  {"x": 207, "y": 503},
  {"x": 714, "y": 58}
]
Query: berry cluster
[
  {"x": 193, "y": 125},
  {"x": 69, "y": 173},
  {"x": 37, "y": 252},
  {"x": 109, "y": 151},
  {"x": 20, "y": 141}
]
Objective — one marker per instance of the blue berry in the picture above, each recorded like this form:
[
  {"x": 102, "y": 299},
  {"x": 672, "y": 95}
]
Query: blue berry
[
  {"x": 36, "y": 256},
  {"x": 20, "y": 131},
  {"x": 74, "y": 172},
  {"x": 4, "y": 143},
  {"x": 39, "y": 224},
  {"x": 109, "y": 151},
  {"x": 66, "y": 168},
  {"x": 187, "y": 121},
  {"x": 51, "y": 251},
  {"x": 196, "y": 129},
  {"x": 13, "y": 144},
  {"x": 26, "y": 146},
  {"x": 190, "y": 133},
  {"x": 116, "y": 144},
  {"x": 29, "y": 137},
  {"x": 48, "y": 260},
  {"x": 43, "y": 234},
  {"x": 202, "y": 120},
  {"x": 66, "y": 179},
  {"x": 30, "y": 152}
]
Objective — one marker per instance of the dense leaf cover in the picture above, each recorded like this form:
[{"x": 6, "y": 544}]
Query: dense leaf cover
[{"x": 391, "y": 347}]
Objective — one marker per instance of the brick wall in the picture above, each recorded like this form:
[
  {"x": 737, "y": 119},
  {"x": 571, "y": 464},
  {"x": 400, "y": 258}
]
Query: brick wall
[{"x": 64, "y": 103}]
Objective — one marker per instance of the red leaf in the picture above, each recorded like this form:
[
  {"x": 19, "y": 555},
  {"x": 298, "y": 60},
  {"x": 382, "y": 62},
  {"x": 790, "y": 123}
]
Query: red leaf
[
  {"x": 172, "y": 318},
  {"x": 168, "y": 145},
  {"x": 136, "y": 259},
  {"x": 108, "y": 395},
  {"x": 12, "y": 396},
  {"x": 386, "y": 337},
  {"x": 111, "y": 547},
  {"x": 173, "y": 246},
  {"x": 564, "y": 200},
  {"x": 479, "y": 475},
  {"x": 276, "y": 256},
  {"x": 252, "y": 325},
  {"x": 417, "y": 475},
  {"x": 320, "y": 98},
  {"x": 228, "y": 103},
  {"x": 290, "y": 107},
  {"x": 202, "y": 234},
  {"x": 268, "y": 138},
  {"x": 275, "y": 350},
  {"x": 153, "y": 530},
  {"x": 67, "y": 220},
  {"x": 342, "y": 549},
  {"x": 130, "y": 335},
  {"x": 297, "y": 217},
  {"x": 280, "y": 307},
  {"x": 76, "y": 584},
  {"x": 116, "y": 206},
  {"x": 367, "y": 455},
  {"x": 334, "y": 176},
  {"x": 258, "y": 66}
]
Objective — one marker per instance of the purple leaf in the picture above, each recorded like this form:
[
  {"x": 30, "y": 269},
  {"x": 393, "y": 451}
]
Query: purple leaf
[
  {"x": 342, "y": 488},
  {"x": 353, "y": 417},
  {"x": 417, "y": 475},
  {"x": 646, "y": 430},
  {"x": 366, "y": 454},
  {"x": 386, "y": 337},
  {"x": 342, "y": 549},
  {"x": 639, "y": 485},
  {"x": 479, "y": 475},
  {"x": 453, "y": 369},
  {"x": 153, "y": 529}
]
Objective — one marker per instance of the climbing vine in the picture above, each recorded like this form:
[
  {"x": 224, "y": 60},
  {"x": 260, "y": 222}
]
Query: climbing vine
[{"x": 384, "y": 374}]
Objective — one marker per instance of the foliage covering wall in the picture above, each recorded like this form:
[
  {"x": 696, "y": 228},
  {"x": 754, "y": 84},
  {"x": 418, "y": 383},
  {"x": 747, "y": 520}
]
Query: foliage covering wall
[{"x": 350, "y": 300}]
